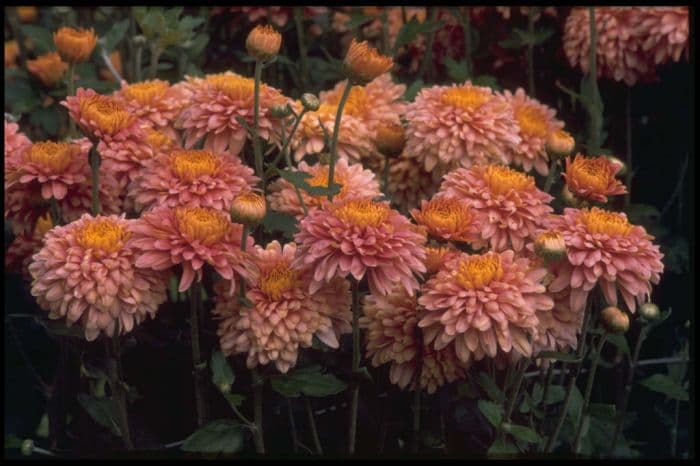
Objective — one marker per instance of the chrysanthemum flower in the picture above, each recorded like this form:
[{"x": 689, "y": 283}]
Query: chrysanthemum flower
[
  {"x": 85, "y": 272},
  {"x": 604, "y": 248},
  {"x": 75, "y": 45},
  {"x": 19, "y": 254},
  {"x": 248, "y": 208},
  {"x": 483, "y": 303},
  {"x": 535, "y": 122},
  {"x": 558, "y": 328},
  {"x": 393, "y": 337},
  {"x": 465, "y": 125},
  {"x": 390, "y": 139},
  {"x": 355, "y": 181},
  {"x": 410, "y": 183},
  {"x": 192, "y": 237},
  {"x": 15, "y": 141},
  {"x": 49, "y": 68},
  {"x": 193, "y": 178},
  {"x": 437, "y": 256},
  {"x": 284, "y": 315},
  {"x": 363, "y": 63},
  {"x": 448, "y": 219},
  {"x": 155, "y": 102},
  {"x": 593, "y": 178},
  {"x": 361, "y": 237},
  {"x": 214, "y": 105},
  {"x": 507, "y": 199},
  {"x": 27, "y": 14}
]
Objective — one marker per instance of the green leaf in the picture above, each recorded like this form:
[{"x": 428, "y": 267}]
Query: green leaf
[
  {"x": 503, "y": 447},
  {"x": 298, "y": 179},
  {"x": 21, "y": 96},
  {"x": 521, "y": 432},
  {"x": 558, "y": 356},
  {"x": 409, "y": 31},
  {"x": 490, "y": 387},
  {"x": 219, "y": 436},
  {"x": 575, "y": 403},
  {"x": 172, "y": 289},
  {"x": 413, "y": 89},
  {"x": 12, "y": 441},
  {"x": 42, "y": 430},
  {"x": 602, "y": 410},
  {"x": 234, "y": 399},
  {"x": 40, "y": 36},
  {"x": 115, "y": 35},
  {"x": 278, "y": 222},
  {"x": 620, "y": 342},
  {"x": 309, "y": 381},
  {"x": 491, "y": 411},
  {"x": 104, "y": 411},
  {"x": 487, "y": 80},
  {"x": 468, "y": 390},
  {"x": 47, "y": 119},
  {"x": 457, "y": 71},
  {"x": 664, "y": 384},
  {"x": 357, "y": 20},
  {"x": 58, "y": 327},
  {"x": 555, "y": 394},
  {"x": 222, "y": 375}
]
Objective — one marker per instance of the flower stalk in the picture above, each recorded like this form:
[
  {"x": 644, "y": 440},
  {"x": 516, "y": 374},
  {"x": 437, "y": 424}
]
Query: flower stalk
[
  {"x": 116, "y": 375},
  {"x": 256, "y": 120},
  {"x": 95, "y": 170},
  {"x": 334, "y": 140},
  {"x": 312, "y": 425},
  {"x": 257, "y": 410},
  {"x": 195, "y": 303},
  {"x": 587, "y": 397},
  {"x": 352, "y": 430}
]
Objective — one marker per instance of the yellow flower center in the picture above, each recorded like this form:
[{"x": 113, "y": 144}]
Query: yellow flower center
[
  {"x": 357, "y": 103},
  {"x": 479, "y": 271},
  {"x": 109, "y": 116},
  {"x": 104, "y": 234},
  {"x": 199, "y": 223},
  {"x": 466, "y": 98},
  {"x": 310, "y": 121},
  {"x": 445, "y": 214},
  {"x": 362, "y": 212},
  {"x": 434, "y": 257},
  {"x": 235, "y": 86},
  {"x": 280, "y": 278},
  {"x": 605, "y": 222},
  {"x": 147, "y": 91},
  {"x": 321, "y": 179},
  {"x": 592, "y": 173},
  {"x": 43, "y": 225},
  {"x": 157, "y": 139},
  {"x": 56, "y": 156},
  {"x": 502, "y": 179},
  {"x": 532, "y": 120},
  {"x": 189, "y": 165}
]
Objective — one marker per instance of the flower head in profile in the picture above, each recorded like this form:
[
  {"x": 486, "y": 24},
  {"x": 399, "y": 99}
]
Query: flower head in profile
[
  {"x": 483, "y": 304},
  {"x": 193, "y": 178},
  {"x": 460, "y": 125},
  {"x": 604, "y": 248},
  {"x": 437, "y": 256},
  {"x": 284, "y": 316},
  {"x": 248, "y": 208},
  {"x": 191, "y": 237},
  {"x": 390, "y": 139},
  {"x": 363, "y": 63},
  {"x": 448, "y": 219},
  {"x": 155, "y": 102},
  {"x": 75, "y": 45},
  {"x": 85, "y": 272},
  {"x": 49, "y": 68},
  {"x": 508, "y": 200},
  {"x": 593, "y": 178},
  {"x": 19, "y": 253},
  {"x": 355, "y": 182},
  {"x": 263, "y": 42},
  {"x": 409, "y": 182},
  {"x": 361, "y": 237}
]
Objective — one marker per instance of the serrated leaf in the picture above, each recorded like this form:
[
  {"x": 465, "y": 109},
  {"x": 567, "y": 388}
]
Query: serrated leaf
[
  {"x": 558, "y": 356},
  {"x": 503, "y": 447},
  {"x": 275, "y": 222},
  {"x": 309, "y": 381},
  {"x": 40, "y": 36},
  {"x": 219, "y": 436},
  {"x": 521, "y": 432},
  {"x": 115, "y": 35},
  {"x": 104, "y": 411},
  {"x": 410, "y": 31},
  {"x": 602, "y": 410},
  {"x": 457, "y": 71},
  {"x": 664, "y": 384},
  {"x": 490, "y": 387},
  {"x": 491, "y": 411},
  {"x": 620, "y": 342},
  {"x": 222, "y": 375}
]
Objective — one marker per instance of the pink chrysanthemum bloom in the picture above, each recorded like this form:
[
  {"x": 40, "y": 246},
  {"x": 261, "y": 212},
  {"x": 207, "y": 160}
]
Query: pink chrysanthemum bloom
[
  {"x": 507, "y": 199},
  {"x": 483, "y": 303},
  {"x": 604, "y": 248},
  {"x": 535, "y": 122},
  {"x": 192, "y": 237},
  {"x": 193, "y": 178},
  {"x": 393, "y": 337},
  {"x": 437, "y": 256},
  {"x": 15, "y": 141},
  {"x": 664, "y": 32},
  {"x": 155, "y": 102},
  {"x": 19, "y": 254},
  {"x": 593, "y": 178},
  {"x": 214, "y": 105},
  {"x": 85, "y": 272},
  {"x": 284, "y": 316},
  {"x": 460, "y": 125},
  {"x": 410, "y": 183},
  {"x": 356, "y": 182},
  {"x": 354, "y": 139},
  {"x": 448, "y": 219},
  {"x": 102, "y": 117},
  {"x": 361, "y": 237}
]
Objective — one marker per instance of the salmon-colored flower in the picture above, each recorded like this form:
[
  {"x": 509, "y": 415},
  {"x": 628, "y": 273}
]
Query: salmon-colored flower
[
  {"x": 193, "y": 178},
  {"x": 191, "y": 237},
  {"x": 448, "y": 219},
  {"x": 19, "y": 253},
  {"x": 484, "y": 303},
  {"x": 508, "y": 200},
  {"x": 363, "y": 63},
  {"x": 390, "y": 139},
  {"x": 593, "y": 178},
  {"x": 86, "y": 272},
  {"x": 49, "y": 68},
  {"x": 559, "y": 143},
  {"x": 410, "y": 183},
  {"x": 284, "y": 316},
  {"x": 437, "y": 256},
  {"x": 155, "y": 102},
  {"x": 355, "y": 182},
  {"x": 14, "y": 141},
  {"x": 263, "y": 42},
  {"x": 460, "y": 125},
  {"x": 361, "y": 237},
  {"x": 75, "y": 45}
]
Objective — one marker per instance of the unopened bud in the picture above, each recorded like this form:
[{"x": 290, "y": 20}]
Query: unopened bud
[
  {"x": 559, "y": 143},
  {"x": 390, "y": 139},
  {"x": 615, "y": 161},
  {"x": 649, "y": 312},
  {"x": 140, "y": 40},
  {"x": 614, "y": 320},
  {"x": 310, "y": 102},
  {"x": 281, "y": 111},
  {"x": 27, "y": 447},
  {"x": 225, "y": 387},
  {"x": 363, "y": 63},
  {"x": 568, "y": 197},
  {"x": 263, "y": 42},
  {"x": 248, "y": 208},
  {"x": 550, "y": 246}
]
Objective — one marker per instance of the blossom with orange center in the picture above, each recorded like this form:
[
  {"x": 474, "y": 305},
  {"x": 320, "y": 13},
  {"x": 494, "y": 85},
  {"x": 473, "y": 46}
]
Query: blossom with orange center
[
  {"x": 593, "y": 178},
  {"x": 355, "y": 182},
  {"x": 192, "y": 237},
  {"x": 25, "y": 244},
  {"x": 460, "y": 125},
  {"x": 363, "y": 63},
  {"x": 195, "y": 178},
  {"x": 75, "y": 45},
  {"x": 215, "y": 104},
  {"x": 507, "y": 200},
  {"x": 284, "y": 316},
  {"x": 535, "y": 122},
  {"x": 448, "y": 219},
  {"x": 263, "y": 42},
  {"x": 483, "y": 303},
  {"x": 11, "y": 53},
  {"x": 49, "y": 68},
  {"x": 604, "y": 248},
  {"x": 559, "y": 143},
  {"x": 409, "y": 182},
  {"x": 155, "y": 102},
  {"x": 86, "y": 272},
  {"x": 437, "y": 256},
  {"x": 361, "y": 237}
]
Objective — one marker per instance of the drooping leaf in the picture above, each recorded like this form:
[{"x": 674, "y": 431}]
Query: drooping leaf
[
  {"x": 219, "y": 436},
  {"x": 523, "y": 433},
  {"x": 114, "y": 36},
  {"x": 40, "y": 36},
  {"x": 664, "y": 384},
  {"x": 278, "y": 222},
  {"x": 558, "y": 356},
  {"x": 457, "y": 71},
  {"x": 503, "y": 448},
  {"x": 490, "y": 387},
  {"x": 309, "y": 381},
  {"x": 104, "y": 411},
  {"x": 222, "y": 375},
  {"x": 491, "y": 411}
]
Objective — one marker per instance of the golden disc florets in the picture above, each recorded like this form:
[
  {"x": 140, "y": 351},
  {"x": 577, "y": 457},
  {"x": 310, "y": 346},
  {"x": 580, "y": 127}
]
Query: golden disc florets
[
  {"x": 362, "y": 212},
  {"x": 200, "y": 223},
  {"x": 102, "y": 234},
  {"x": 479, "y": 271}
]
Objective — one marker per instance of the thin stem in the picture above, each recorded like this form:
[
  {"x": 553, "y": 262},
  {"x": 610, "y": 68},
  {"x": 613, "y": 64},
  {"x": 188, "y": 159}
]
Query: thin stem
[
  {"x": 155, "y": 55},
  {"x": 292, "y": 426},
  {"x": 674, "y": 430},
  {"x": 285, "y": 146},
  {"x": 312, "y": 425},
  {"x": 334, "y": 140},
  {"x": 195, "y": 302},
  {"x": 628, "y": 144},
  {"x": 385, "y": 176},
  {"x": 116, "y": 375},
  {"x": 54, "y": 212},
  {"x": 303, "y": 60},
  {"x": 137, "y": 62},
  {"x": 594, "y": 123},
  {"x": 547, "y": 384},
  {"x": 256, "y": 121},
  {"x": 71, "y": 91},
  {"x": 466, "y": 26},
  {"x": 244, "y": 240},
  {"x": 530, "y": 57},
  {"x": 109, "y": 65},
  {"x": 553, "y": 164},
  {"x": 524, "y": 362},
  {"x": 95, "y": 169},
  {"x": 257, "y": 410},
  {"x": 352, "y": 430},
  {"x": 428, "y": 57},
  {"x": 290, "y": 166},
  {"x": 417, "y": 393},
  {"x": 587, "y": 397}
]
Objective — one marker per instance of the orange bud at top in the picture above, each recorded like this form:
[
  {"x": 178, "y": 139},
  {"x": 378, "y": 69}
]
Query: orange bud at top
[
  {"x": 263, "y": 42},
  {"x": 614, "y": 320},
  {"x": 363, "y": 63},
  {"x": 559, "y": 143},
  {"x": 49, "y": 68},
  {"x": 75, "y": 45}
]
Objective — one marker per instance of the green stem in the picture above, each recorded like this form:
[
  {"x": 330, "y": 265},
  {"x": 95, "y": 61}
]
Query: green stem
[
  {"x": 551, "y": 175},
  {"x": 258, "y": 412},
  {"x": 595, "y": 125},
  {"x": 428, "y": 57},
  {"x": 303, "y": 61},
  {"x": 355, "y": 363},
  {"x": 137, "y": 62},
  {"x": 290, "y": 166},
  {"x": 285, "y": 145},
  {"x": 336, "y": 133},
  {"x": 71, "y": 91},
  {"x": 524, "y": 362},
  {"x": 547, "y": 384},
  {"x": 385, "y": 176},
  {"x": 466, "y": 26},
  {"x": 292, "y": 426},
  {"x": 195, "y": 302},
  {"x": 54, "y": 212},
  {"x": 155, "y": 55},
  {"x": 244, "y": 237},
  {"x": 587, "y": 397},
  {"x": 417, "y": 394},
  {"x": 95, "y": 169},
  {"x": 116, "y": 375},
  {"x": 312, "y": 425},
  {"x": 256, "y": 120},
  {"x": 531, "y": 52},
  {"x": 628, "y": 148},
  {"x": 674, "y": 430}
]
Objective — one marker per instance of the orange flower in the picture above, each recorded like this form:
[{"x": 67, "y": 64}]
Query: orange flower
[
  {"x": 559, "y": 143},
  {"x": 263, "y": 42},
  {"x": 75, "y": 45},
  {"x": 11, "y": 53},
  {"x": 593, "y": 178},
  {"x": 27, "y": 14},
  {"x": 49, "y": 68},
  {"x": 363, "y": 63}
]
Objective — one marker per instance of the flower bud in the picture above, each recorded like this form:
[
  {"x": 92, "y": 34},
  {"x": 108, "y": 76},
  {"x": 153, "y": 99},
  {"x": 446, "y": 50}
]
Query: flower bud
[
  {"x": 27, "y": 447},
  {"x": 310, "y": 102},
  {"x": 363, "y": 63},
  {"x": 27, "y": 14},
  {"x": 263, "y": 42},
  {"x": 281, "y": 111},
  {"x": 49, "y": 68},
  {"x": 75, "y": 45},
  {"x": 614, "y": 320},
  {"x": 248, "y": 208},
  {"x": 559, "y": 143},
  {"x": 390, "y": 139},
  {"x": 550, "y": 246},
  {"x": 649, "y": 312},
  {"x": 568, "y": 197},
  {"x": 140, "y": 40},
  {"x": 615, "y": 161}
]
